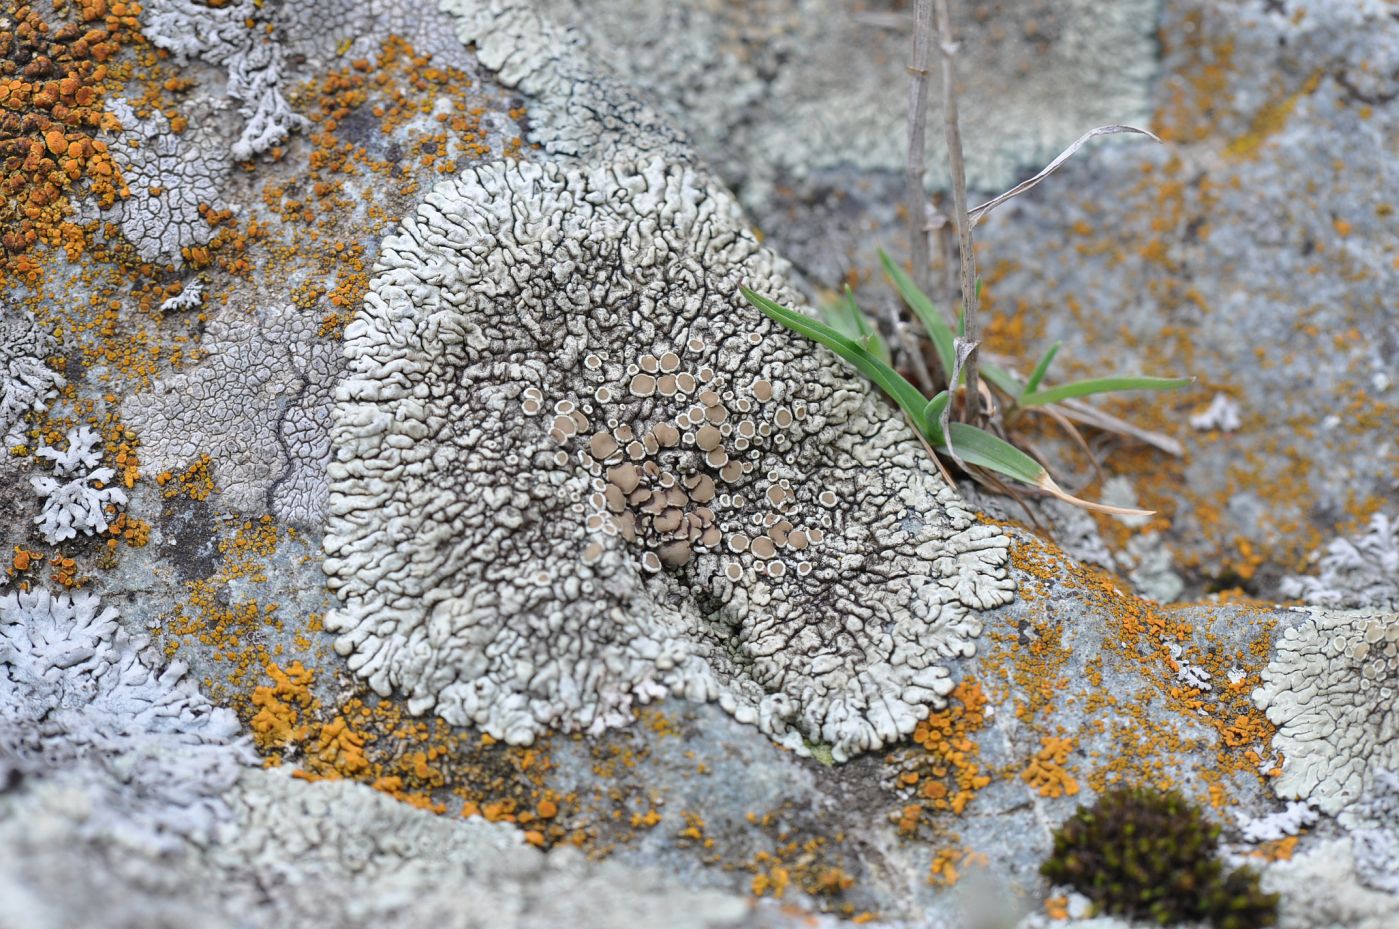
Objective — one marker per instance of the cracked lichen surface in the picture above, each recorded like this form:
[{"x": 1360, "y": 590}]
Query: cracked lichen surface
[
  {"x": 260, "y": 403},
  {"x": 1331, "y": 691},
  {"x": 574, "y": 471}
]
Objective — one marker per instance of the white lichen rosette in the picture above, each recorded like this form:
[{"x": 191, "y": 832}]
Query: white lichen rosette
[
  {"x": 574, "y": 471},
  {"x": 1332, "y": 689}
]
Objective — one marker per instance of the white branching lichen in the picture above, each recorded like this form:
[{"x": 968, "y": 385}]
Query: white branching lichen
[
  {"x": 574, "y": 471},
  {"x": 1289, "y": 821},
  {"x": 1361, "y": 572},
  {"x": 1331, "y": 690},
  {"x": 78, "y": 696},
  {"x": 235, "y": 38},
  {"x": 77, "y": 496},
  {"x": 187, "y": 299},
  {"x": 27, "y": 383}
]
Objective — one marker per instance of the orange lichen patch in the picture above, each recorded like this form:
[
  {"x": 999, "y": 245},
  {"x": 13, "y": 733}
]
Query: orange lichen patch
[
  {"x": 276, "y": 724},
  {"x": 1276, "y": 849},
  {"x": 1147, "y": 734},
  {"x": 805, "y": 863},
  {"x": 1200, "y": 86},
  {"x": 23, "y": 560},
  {"x": 945, "y": 775},
  {"x": 1270, "y": 119},
  {"x": 129, "y": 529},
  {"x": 1047, "y": 773},
  {"x": 772, "y": 879},
  {"x": 195, "y": 482},
  {"x": 65, "y": 571},
  {"x": 693, "y": 830},
  {"x": 948, "y": 863},
  {"x": 1057, "y": 907},
  {"x": 54, "y": 73}
]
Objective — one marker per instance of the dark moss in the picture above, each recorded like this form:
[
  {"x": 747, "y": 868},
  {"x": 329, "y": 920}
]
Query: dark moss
[{"x": 1154, "y": 856}]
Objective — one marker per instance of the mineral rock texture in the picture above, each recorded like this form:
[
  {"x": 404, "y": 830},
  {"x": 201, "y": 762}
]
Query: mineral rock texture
[{"x": 575, "y": 471}]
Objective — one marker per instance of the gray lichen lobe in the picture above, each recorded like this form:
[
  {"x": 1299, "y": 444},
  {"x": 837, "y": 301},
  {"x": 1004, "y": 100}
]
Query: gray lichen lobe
[
  {"x": 1331, "y": 690},
  {"x": 27, "y": 383},
  {"x": 574, "y": 472},
  {"x": 81, "y": 698}
]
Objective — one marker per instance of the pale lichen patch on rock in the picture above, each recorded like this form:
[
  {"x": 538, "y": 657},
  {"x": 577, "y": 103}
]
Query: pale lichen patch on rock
[
  {"x": 1331, "y": 690},
  {"x": 27, "y": 383},
  {"x": 574, "y": 472}
]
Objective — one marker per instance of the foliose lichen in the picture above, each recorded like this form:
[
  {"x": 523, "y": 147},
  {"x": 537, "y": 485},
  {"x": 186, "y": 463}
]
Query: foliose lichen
[
  {"x": 233, "y": 37},
  {"x": 79, "y": 696},
  {"x": 27, "y": 383},
  {"x": 78, "y": 496},
  {"x": 574, "y": 472},
  {"x": 1360, "y": 572},
  {"x": 1330, "y": 689}
]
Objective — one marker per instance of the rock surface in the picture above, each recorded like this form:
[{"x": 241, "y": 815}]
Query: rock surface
[{"x": 336, "y": 319}]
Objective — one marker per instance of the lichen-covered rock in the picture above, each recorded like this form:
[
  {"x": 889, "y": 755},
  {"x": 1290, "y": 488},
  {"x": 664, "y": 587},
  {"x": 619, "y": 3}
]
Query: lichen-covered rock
[
  {"x": 579, "y": 110},
  {"x": 574, "y": 471},
  {"x": 770, "y": 90},
  {"x": 330, "y": 854},
  {"x": 1320, "y": 890},
  {"x": 77, "y": 695},
  {"x": 235, "y": 38},
  {"x": 259, "y": 405},
  {"x": 27, "y": 383},
  {"x": 1331, "y": 691},
  {"x": 169, "y": 178},
  {"x": 78, "y": 495},
  {"x": 1375, "y": 836},
  {"x": 1355, "y": 573}
]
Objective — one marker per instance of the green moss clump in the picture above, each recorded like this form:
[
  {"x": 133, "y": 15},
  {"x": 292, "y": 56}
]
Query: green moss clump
[{"x": 1153, "y": 856}]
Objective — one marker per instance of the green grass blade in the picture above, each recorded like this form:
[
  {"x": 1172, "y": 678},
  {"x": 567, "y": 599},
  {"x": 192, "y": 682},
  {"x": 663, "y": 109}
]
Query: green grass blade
[
  {"x": 932, "y": 417},
  {"x": 933, "y": 323},
  {"x": 1001, "y": 379},
  {"x": 845, "y": 316},
  {"x": 1042, "y": 368},
  {"x": 1101, "y": 385},
  {"x": 890, "y": 381},
  {"x": 979, "y": 447}
]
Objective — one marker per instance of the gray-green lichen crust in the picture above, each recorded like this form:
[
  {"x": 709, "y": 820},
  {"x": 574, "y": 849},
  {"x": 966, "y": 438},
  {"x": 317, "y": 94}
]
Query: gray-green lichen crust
[{"x": 573, "y": 471}]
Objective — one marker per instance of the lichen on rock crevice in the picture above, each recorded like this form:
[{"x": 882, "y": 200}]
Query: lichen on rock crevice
[{"x": 574, "y": 472}]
